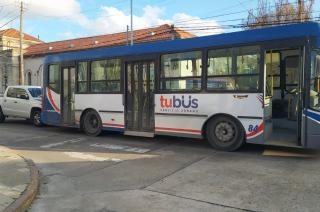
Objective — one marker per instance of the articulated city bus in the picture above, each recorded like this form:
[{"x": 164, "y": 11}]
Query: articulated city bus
[{"x": 256, "y": 86}]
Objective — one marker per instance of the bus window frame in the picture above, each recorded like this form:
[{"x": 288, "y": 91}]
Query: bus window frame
[
  {"x": 167, "y": 91},
  {"x": 285, "y": 84},
  {"x": 313, "y": 54},
  {"x": 77, "y": 77},
  {"x": 234, "y": 57},
  {"x": 280, "y": 56},
  {"x": 48, "y": 77},
  {"x": 89, "y": 62},
  {"x": 120, "y": 79}
]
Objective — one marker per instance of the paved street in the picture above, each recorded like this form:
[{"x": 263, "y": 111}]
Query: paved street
[{"x": 119, "y": 173}]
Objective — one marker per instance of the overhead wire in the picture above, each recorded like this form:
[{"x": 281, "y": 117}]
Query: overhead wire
[
  {"x": 8, "y": 22},
  {"x": 231, "y": 13},
  {"x": 191, "y": 28}
]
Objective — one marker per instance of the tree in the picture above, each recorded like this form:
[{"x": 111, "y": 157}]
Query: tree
[{"x": 282, "y": 12}]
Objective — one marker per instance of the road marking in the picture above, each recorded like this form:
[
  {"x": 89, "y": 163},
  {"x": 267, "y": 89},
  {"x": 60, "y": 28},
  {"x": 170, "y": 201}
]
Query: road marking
[
  {"x": 90, "y": 157},
  {"x": 120, "y": 147},
  {"x": 72, "y": 141},
  {"x": 30, "y": 138}
]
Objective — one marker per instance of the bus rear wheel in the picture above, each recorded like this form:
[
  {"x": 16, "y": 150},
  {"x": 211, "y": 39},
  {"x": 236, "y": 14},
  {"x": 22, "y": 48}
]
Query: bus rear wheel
[
  {"x": 225, "y": 133},
  {"x": 92, "y": 124}
]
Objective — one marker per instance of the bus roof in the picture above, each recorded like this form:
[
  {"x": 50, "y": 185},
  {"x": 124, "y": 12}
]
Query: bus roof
[{"x": 234, "y": 38}]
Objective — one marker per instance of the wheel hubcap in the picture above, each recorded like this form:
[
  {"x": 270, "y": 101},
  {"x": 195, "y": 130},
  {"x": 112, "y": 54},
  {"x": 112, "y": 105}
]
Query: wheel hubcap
[
  {"x": 37, "y": 118},
  {"x": 225, "y": 132},
  {"x": 93, "y": 122}
]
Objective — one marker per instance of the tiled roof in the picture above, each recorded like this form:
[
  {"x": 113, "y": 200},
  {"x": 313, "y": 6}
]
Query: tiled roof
[
  {"x": 163, "y": 32},
  {"x": 13, "y": 33}
]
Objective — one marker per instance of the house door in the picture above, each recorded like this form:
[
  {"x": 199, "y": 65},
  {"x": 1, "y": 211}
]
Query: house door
[{"x": 140, "y": 81}]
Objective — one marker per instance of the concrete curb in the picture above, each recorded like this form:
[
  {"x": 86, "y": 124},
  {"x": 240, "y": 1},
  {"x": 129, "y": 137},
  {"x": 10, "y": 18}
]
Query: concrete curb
[{"x": 29, "y": 194}]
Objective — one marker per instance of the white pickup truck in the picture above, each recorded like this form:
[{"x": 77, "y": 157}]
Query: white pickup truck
[{"x": 21, "y": 102}]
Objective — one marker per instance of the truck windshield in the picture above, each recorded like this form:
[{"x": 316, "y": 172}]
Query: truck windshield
[{"x": 35, "y": 92}]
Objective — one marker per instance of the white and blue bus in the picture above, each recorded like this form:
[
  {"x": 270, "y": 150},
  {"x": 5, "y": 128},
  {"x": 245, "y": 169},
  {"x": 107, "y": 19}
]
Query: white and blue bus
[{"x": 257, "y": 86}]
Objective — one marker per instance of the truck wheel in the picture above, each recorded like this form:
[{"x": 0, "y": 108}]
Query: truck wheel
[
  {"x": 92, "y": 124},
  {"x": 36, "y": 118},
  {"x": 2, "y": 116},
  {"x": 225, "y": 133}
]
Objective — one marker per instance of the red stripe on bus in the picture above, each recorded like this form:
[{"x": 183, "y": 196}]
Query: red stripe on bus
[
  {"x": 179, "y": 130},
  {"x": 113, "y": 125},
  {"x": 52, "y": 102},
  {"x": 260, "y": 129}
]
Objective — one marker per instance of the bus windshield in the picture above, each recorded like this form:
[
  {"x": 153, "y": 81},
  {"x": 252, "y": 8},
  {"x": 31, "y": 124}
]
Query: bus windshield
[{"x": 35, "y": 92}]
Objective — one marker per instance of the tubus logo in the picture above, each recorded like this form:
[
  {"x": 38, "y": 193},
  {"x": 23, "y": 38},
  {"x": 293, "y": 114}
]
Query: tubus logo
[{"x": 176, "y": 102}]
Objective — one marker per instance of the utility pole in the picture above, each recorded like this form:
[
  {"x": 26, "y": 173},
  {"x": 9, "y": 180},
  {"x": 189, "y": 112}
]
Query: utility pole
[
  {"x": 127, "y": 35},
  {"x": 131, "y": 17},
  {"x": 301, "y": 10},
  {"x": 21, "y": 73}
]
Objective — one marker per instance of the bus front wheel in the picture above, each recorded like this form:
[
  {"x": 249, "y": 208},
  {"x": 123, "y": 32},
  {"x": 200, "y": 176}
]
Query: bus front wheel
[
  {"x": 225, "y": 133},
  {"x": 92, "y": 124}
]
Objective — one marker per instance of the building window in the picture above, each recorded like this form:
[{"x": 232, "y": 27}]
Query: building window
[
  {"x": 105, "y": 76},
  {"x": 54, "y": 78},
  {"x": 82, "y": 77},
  {"x": 234, "y": 69},
  {"x": 181, "y": 71},
  {"x": 29, "y": 78}
]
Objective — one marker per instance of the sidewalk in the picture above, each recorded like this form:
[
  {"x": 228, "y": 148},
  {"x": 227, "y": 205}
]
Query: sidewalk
[{"x": 16, "y": 178}]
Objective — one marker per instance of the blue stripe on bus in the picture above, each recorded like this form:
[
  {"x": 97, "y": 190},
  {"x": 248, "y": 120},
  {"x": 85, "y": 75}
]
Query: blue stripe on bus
[
  {"x": 313, "y": 115},
  {"x": 114, "y": 129}
]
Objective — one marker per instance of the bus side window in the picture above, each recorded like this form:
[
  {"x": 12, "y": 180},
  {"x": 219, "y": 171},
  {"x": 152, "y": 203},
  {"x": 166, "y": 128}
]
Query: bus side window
[
  {"x": 54, "y": 78},
  {"x": 82, "y": 84},
  {"x": 234, "y": 69},
  {"x": 315, "y": 84}
]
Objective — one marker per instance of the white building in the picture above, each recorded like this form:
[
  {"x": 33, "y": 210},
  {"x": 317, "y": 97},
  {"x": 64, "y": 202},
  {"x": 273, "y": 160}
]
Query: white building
[{"x": 9, "y": 56}]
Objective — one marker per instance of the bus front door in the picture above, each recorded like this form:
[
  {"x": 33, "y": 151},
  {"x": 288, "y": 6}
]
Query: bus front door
[
  {"x": 140, "y": 83},
  {"x": 68, "y": 91}
]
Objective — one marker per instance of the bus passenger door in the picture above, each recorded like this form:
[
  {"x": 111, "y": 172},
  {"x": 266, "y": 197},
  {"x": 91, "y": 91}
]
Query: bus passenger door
[
  {"x": 140, "y": 84},
  {"x": 283, "y": 96},
  {"x": 67, "y": 97}
]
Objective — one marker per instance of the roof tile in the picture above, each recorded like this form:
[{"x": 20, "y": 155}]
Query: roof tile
[
  {"x": 163, "y": 32},
  {"x": 13, "y": 33}
]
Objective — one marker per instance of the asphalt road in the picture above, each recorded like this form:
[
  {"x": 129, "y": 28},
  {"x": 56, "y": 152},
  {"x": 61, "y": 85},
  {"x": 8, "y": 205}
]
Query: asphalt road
[{"x": 119, "y": 173}]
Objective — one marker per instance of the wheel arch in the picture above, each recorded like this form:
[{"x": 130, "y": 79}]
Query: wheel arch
[
  {"x": 213, "y": 116},
  {"x": 34, "y": 109}
]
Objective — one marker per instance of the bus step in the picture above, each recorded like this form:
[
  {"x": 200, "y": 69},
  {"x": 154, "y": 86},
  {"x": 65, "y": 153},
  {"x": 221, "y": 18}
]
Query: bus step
[{"x": 140, "y": 134}]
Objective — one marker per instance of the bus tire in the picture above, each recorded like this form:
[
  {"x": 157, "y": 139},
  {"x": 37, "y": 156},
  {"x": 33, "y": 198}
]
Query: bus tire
[
  {"x": 225, "y": 133},
  {"x": 35, "y": 118},
  {"x": 2, "y": 116},
  {"x": 92, "y": 124}
]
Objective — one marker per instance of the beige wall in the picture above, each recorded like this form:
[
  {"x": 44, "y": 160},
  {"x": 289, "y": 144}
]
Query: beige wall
[{"x": 33, "y": 67}]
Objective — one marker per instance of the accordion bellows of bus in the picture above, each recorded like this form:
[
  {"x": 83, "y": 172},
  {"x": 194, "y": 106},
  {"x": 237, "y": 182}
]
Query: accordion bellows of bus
[{"x": 254, "y": 86}]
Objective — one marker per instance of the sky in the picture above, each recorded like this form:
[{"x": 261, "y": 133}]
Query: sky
[{"x": 54, "y": 20}]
